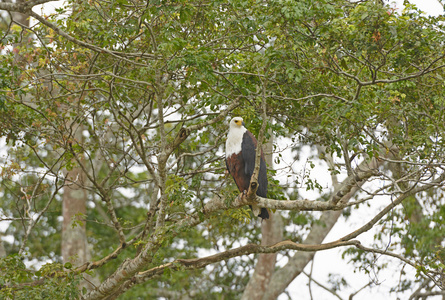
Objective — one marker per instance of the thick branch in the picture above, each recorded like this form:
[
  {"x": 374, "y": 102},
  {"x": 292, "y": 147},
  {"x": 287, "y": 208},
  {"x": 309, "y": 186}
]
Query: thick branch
[
  {"x": 196, "y": 263},
  {"x": 22, "y": 7}
]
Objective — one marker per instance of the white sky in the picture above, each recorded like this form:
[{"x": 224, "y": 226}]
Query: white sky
[{"x": 431, "y": 7}]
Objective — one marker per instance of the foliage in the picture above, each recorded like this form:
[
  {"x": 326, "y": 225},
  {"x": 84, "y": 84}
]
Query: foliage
[
  {"x": 53, "y": 280},
  {"x": 137, "y": 95}
]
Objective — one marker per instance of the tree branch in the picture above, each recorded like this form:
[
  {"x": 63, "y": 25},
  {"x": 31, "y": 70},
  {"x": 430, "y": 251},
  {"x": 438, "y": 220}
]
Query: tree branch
[{"x": 197, "y": 263}]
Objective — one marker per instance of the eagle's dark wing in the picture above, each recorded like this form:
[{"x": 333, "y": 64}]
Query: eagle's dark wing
[{"x": 248, "y": 149}]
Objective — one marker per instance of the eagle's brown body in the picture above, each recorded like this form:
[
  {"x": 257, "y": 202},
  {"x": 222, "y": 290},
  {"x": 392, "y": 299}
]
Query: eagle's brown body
[{"x": 240, "y": 160}]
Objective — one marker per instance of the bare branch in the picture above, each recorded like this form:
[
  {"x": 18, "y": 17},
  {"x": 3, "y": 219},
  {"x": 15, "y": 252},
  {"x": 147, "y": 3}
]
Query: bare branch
[
  {"x": 403, "y": 196},
  {"x": 244, "y": 250},
  {"x": 322, "y": 286}
]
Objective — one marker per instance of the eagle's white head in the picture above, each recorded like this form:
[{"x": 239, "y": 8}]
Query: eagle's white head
[
  {"x": 235, "y": 136},
  {"x": 236, "y": 122}
]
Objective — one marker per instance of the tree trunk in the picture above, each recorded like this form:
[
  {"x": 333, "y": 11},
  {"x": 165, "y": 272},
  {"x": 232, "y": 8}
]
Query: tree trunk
[
  {"x": 271, "y": 232},
  {"x": 24, "y": 20},
  {"x": 74, "y": 244},
  {"x": 2, "y": 247},
  {"x": 74, "y": 239}
]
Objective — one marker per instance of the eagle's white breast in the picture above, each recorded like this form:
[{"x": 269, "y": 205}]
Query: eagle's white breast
[{"x": 234, "y": 140}]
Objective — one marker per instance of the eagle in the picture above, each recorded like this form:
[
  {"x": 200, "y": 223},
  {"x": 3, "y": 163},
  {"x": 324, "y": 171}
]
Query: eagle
[{"x": 240, "y": 160}]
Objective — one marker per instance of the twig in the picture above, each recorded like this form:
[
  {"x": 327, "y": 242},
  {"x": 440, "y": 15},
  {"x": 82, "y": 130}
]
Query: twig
[{"x": 321, "y": 285}]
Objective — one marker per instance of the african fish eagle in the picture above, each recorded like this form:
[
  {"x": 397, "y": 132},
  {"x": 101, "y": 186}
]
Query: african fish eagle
[{"x": 240, "y": 160}]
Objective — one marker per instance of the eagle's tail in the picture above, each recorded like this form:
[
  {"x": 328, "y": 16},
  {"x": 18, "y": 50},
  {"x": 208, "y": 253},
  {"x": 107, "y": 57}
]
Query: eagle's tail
[{"x": 264, "y": 214}]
